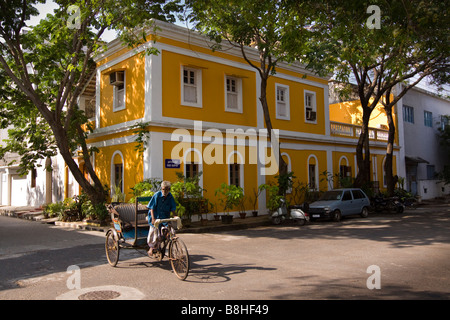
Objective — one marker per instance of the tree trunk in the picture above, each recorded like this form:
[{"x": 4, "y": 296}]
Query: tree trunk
[
  {"x": 95, "y": 192},
  {"x": 282, "y": 166},
  {"x": 390, "y": 181},
  {"x": 363, "y": 152}
]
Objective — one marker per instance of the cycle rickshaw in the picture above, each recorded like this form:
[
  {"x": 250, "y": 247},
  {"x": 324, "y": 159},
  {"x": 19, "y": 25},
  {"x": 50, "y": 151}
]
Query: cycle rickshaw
[{"x": 131, "y": 230}]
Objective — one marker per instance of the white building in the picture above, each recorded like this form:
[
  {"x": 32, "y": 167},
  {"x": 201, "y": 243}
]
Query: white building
[{"x": 423, "y": 114}]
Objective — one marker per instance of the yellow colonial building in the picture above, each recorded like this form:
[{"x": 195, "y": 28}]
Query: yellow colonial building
[{"x": 200, "y": 111}]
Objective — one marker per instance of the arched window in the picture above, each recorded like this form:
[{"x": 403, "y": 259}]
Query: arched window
[
  {"x": 313, "y": 172},
  {"x": 287, "y": 159},
  {"x": 117, "y": 172},
  {"x": 193, "y": 164},
  {"x": 235, "y": 163}
]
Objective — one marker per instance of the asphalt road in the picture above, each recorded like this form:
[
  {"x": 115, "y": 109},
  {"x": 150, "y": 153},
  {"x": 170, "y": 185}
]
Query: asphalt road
[{"x": 400, "y": 256}]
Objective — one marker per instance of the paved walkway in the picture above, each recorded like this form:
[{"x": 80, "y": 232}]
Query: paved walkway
[{"x": 36, "y": 214}]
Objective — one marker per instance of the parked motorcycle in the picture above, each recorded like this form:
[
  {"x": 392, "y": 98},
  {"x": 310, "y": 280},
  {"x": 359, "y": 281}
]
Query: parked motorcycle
[
  {"x": 392, "y": 204},
  {"x": 295, "y": 213}
]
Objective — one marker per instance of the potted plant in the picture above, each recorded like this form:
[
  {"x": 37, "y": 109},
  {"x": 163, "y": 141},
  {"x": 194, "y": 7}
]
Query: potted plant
[
  {"x": 230, "y": 195},
  {"x": 274, "y": 199},
  {"x": 254, "y": 200},
  {"x": 242, "y": 212},
  {"x": 118, "y": 195},
  {"x": 214, "y": 208},
  {"x": 189, "y": 194}
]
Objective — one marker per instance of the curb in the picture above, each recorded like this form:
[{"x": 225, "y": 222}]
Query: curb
[{"x": 35, "y": 214}]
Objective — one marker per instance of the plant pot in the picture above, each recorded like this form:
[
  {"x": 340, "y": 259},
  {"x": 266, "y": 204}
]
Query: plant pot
[
  {"x": 216, "y": 217},
  {"x": 227, "y": 219},
  {"x": 203, "y": 222},
  {"x": 255, "y": 213},
  {"x": 242, "y": 214}
]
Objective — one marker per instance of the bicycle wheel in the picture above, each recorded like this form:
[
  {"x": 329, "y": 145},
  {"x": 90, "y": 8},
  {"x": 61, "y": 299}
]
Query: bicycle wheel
[
  {"x": 112, "y": 248},
  {"x": 179, "y": 258}
]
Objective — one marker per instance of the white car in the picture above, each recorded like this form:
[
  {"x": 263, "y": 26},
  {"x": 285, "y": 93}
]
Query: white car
[{"x": 335, "y": 204}]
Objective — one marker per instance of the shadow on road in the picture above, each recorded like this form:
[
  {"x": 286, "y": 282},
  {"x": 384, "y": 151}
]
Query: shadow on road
[
  {"x": 412, "y": 228},
  {"x": 215, "y": 272}
]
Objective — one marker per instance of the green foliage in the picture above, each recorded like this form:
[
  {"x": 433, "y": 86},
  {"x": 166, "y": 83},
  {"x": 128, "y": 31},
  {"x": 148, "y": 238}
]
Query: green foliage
[
  {"x": 188, "y": 196},
  {"x": 142, "y": 135},
  {"x": 273, "y": 196},
  {"x": 230, "y": 196},
  {"x": 43, "y": 72},
  {"x": 285, "y": 182},
  {"x": 77, "y": 208},
  {"x": 444, "y": 140}
]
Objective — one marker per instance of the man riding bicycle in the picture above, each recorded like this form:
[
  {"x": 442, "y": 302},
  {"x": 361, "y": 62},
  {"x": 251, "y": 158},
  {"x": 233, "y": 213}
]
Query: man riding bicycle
[{"x": 161, "y": 205}]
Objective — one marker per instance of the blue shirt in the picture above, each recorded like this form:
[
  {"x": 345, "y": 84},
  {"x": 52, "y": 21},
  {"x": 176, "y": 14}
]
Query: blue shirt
[{"x": 162, "y": 206}]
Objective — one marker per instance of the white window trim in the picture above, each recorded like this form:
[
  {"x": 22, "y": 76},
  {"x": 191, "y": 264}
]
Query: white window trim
[
  {"x": 287, "y": 102},
  {"x": 115, "y": 89},
  {"x": 314, "y": 107},
  {"x": 239, "y": 94},
  {"x": 198, "y": 78}
]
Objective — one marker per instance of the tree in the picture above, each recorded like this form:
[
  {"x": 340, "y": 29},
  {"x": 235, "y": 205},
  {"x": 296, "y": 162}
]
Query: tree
[
  {"x": 444, "y": 141},
  {"x": 43, "y": 70},
  {"x": 382, "y": 47},
  {"x": 265, "y": 25}
]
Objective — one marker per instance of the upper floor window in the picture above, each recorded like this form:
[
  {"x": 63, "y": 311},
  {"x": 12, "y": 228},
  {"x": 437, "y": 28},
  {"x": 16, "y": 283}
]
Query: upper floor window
[
  {"x": 233, "y": 94},
  {"x": 191, "y": 87},
  {"x": 408, "y": 114},
  {"x": 117, "y": 79},
  {"x": 428, "y": 119},
  {"x": 282, "y": 102},
  {"x": 310, "y": 106}
]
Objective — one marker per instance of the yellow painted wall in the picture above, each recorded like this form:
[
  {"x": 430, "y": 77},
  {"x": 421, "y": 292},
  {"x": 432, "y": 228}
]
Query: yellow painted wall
[
  {"x": 213, "y": 91},
  {"x": 213, "y": 174},
  {"x": 134, "y": 90},
  {"x": 297, "y": 106},
  {"x": 132, "y": 167},
  {"x": 351, "y": 112}
]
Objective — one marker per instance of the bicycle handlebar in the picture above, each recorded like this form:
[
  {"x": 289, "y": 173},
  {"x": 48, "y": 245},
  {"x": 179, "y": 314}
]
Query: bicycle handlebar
[{"x": 176, "y": 219}]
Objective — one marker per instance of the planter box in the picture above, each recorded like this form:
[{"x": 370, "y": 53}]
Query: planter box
[{"x": 226, "y": 219}]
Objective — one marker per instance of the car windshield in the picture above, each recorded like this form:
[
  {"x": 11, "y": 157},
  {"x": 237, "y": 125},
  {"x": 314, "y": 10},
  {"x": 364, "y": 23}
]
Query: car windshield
[{"x": 331, "y": 195}]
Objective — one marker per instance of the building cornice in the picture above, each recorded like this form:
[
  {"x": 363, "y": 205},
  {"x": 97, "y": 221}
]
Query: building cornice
[{"x": 195, "y": 39}]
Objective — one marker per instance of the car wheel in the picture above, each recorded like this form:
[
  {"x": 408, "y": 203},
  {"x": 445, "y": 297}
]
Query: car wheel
[
  {"x": 337, "y": 215},
  {"x": 365, "y": 212}
]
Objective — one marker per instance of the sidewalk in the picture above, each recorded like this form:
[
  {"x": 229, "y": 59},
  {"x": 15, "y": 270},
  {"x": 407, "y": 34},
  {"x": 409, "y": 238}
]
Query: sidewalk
[{"x": 36, "y": 214}]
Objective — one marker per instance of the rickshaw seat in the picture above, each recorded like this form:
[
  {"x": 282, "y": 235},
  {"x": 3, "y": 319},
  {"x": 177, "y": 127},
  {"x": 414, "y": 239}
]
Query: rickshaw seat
[{"x": 126, "y": 214}]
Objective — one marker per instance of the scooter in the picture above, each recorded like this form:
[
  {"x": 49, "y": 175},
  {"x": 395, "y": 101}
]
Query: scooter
[{"x": 294, "y": 213}]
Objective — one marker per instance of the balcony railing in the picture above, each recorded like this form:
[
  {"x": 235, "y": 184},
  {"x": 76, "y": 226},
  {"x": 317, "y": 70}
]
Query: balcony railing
[{"x": 350, "y": 130}]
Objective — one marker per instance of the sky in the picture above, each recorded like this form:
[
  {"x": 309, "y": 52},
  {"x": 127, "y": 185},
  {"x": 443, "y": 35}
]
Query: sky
[
  {"x": 110, "y": 35},
  {"x": 49, "y": 6}
]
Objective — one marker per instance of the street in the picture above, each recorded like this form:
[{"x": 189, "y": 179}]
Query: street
[{"x": 397, "y": 256}]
